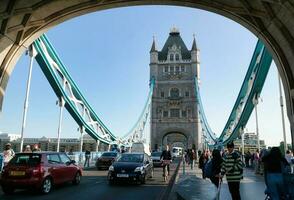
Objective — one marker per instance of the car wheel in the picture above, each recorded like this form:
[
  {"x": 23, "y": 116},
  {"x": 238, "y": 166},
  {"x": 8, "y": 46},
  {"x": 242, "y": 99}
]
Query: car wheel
[
  {"x": 77, "y": 179},
  {"x": 7, "y": 190},
  {"x": 46, "y": 186}
]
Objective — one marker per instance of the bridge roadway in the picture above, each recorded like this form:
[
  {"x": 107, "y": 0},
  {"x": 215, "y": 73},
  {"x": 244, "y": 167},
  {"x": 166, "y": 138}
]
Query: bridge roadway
[{"x": 94, "y": 185}]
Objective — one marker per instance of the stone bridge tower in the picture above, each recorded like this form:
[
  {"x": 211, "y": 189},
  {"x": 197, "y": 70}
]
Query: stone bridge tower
[{"x": 174, "y": 115}]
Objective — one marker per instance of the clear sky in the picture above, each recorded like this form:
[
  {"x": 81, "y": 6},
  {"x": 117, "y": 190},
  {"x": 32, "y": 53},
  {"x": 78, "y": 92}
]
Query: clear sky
[{"x": 107, "y": 54}]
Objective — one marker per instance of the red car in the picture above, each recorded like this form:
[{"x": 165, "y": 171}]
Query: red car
[{"x": 39, "y": 170}]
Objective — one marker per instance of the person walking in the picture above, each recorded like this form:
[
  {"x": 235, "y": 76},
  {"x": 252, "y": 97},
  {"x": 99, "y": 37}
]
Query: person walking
[
  {"x": 274, "y": 164},
  {"x": 8, "y": 154},
  {"x": 166, "y": 157},
  {"x": 87, "y": 158},
  {"x": 36, "y": 148},
  {"x": 192, "y": 158},
  {"x": 232, "y": 167},
  {"x": 28, "y": 149},
  {"x": 256, "y": 161},
  {"x": 247, "y": 158},
  {"x": 216, "y": 167},
  {"x": 202, "y": 161},
  {"x": 290, "y": 159}
]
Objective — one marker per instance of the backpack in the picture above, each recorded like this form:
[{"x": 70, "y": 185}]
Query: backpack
[{"x": 208, "y": 173}]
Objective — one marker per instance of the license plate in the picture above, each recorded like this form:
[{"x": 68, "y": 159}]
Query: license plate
[
  {"x": 17, "y": 173},
  {"x": 122, "y": 175}
]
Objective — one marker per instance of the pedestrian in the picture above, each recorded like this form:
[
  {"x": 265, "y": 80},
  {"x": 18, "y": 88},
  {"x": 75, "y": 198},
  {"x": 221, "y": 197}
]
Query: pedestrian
[
  {"x": 216, "y": 167},
  {"x": 166, "y": 156},
  {"x": 28, "y": 149},
  {"x": 247, "y": 158},
  {"x": 274, "y": 164},
  {"x": 36, "y": 148},
  {"x": 232, "y": 167},
  {"x": 192, "y": 158},
  {"x": 289, "y": 157},
  {"x": 202, "y": 161},
  {"x": 256, "y": 161},
  {"x": 8, "y": 153},
  {"x": 87, "y": 158}
]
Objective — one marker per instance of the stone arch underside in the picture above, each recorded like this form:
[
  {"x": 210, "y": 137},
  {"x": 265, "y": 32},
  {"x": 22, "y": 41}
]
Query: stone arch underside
[
  {"x": 175, "y": 137},
  {"x": 21, "y": 22}
]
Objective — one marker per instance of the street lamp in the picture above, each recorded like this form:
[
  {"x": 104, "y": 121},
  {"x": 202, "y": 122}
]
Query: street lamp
[
  {"x": 255, "y": 102},
  {"x": 282, "y": 112}
]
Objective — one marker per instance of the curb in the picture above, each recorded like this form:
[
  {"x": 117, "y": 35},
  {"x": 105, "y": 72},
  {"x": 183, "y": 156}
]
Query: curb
[{"x": 166, "y": 193}]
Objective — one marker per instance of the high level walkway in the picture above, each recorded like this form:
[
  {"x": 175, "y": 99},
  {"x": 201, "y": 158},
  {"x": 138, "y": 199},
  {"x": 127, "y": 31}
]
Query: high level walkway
[{"x": 190, "y": 185}]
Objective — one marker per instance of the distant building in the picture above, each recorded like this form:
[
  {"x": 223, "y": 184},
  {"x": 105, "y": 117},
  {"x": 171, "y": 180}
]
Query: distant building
[
  {"x": 250, "y": 143},
  {"x": 50, "y": 144}
]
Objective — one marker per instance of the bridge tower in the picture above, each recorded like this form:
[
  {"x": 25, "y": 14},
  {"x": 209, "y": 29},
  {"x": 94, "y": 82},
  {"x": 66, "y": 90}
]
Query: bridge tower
[{"x": 174, "y": 115}]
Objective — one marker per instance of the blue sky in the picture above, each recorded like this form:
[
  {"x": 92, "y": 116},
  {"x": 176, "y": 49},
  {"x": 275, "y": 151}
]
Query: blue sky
[{"x": 107, "y": 54}]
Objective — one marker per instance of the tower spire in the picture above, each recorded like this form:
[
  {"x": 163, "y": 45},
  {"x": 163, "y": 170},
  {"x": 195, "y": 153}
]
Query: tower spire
[
  {"x": 194, "y": 46},
  {"x": 153, "y": 47}
]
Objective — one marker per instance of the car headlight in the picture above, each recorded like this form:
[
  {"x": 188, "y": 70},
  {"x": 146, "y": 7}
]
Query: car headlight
[
  {"x": 139, "y": 169},
  {"x": 111, "y": 168}
]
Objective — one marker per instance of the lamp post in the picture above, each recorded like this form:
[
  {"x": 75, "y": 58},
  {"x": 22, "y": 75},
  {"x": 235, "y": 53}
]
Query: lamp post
[
  {"x": 31, "y": 53},
  {"x": 282, "y": 113},
  {"x": 255, "y": 102}
]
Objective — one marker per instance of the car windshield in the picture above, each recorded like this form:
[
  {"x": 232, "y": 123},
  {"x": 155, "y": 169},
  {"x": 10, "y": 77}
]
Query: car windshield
[
  {"x": 109, "y": 154},
  {"x": 156, "y": 154},
  {"x": 131, "y": 158},
  {"x": 26, "y": 159}
]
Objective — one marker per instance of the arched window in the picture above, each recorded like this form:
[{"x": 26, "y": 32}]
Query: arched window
[
  {"x": 174, "y": 92},
  {"x": 171, "y": 57},
  {"x": 177, "y": 57}
]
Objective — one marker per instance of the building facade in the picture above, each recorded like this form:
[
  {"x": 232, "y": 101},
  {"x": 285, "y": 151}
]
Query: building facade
[
  {"x": 50, "y": 144},
  {"x": 174, "y": 109},
  {"x": 250, "y": 143}
]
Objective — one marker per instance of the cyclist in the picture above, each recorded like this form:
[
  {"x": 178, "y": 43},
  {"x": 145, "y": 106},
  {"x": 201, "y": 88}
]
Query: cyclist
[{"x": 166, "y": 159}]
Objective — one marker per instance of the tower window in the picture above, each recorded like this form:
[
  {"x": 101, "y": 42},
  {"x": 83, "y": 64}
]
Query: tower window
[
  {"x": 165, "y": 68},
  {"x": 187, "y": 93},
  {"x": 174, "y": 112},
  {"x": 172, "y": 69},
  {"x": 182, "y": 68},
  {"x": 174, "y": 92},
  {"x": 165, "y": 113},
  {"x": 162, "y": 94},
  {"x": 177, "y": 57},
  {"x": 184, "y": 113},
  {"x": 177, "y": 69},
  {"x": 171, "y": 57}
]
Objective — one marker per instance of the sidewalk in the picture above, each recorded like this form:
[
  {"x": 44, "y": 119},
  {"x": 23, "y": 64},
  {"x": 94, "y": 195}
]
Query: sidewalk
[{"x": 190, "y": 185}]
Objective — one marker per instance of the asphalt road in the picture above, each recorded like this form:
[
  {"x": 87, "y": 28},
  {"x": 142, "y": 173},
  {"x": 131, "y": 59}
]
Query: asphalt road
[{"x": 94, "y": 185}]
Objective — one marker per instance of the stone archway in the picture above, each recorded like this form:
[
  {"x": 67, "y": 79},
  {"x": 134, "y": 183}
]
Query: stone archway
[
  {"x": 172, "y": 139},
  {"x": 270, "y": 20}
]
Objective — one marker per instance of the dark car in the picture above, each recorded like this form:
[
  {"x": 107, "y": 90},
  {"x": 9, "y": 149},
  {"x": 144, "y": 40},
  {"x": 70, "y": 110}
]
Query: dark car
[
  {"x": 106, "y": 159},
  {"x": 39, "y": 171},
  {"x": 131, "y": 167},
  {"x": 155, "y": 156}
]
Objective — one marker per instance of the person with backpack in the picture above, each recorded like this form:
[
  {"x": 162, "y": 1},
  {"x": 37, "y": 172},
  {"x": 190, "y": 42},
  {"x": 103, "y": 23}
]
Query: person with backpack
[
  {"x": 213, "y": 167},
  {"x": 232, "y": 167}
]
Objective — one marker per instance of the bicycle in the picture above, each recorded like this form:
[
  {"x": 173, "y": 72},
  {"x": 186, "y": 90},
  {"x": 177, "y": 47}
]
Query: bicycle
[{"x": 165, "y": 163}]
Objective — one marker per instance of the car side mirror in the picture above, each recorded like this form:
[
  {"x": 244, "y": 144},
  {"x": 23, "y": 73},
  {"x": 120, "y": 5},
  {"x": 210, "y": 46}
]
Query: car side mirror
[{"x": 72, "y": 162}]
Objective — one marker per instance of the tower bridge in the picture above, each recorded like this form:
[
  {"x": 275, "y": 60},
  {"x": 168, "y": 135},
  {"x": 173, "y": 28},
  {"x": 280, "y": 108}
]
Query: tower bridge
[{"x": 174, "y": 108}]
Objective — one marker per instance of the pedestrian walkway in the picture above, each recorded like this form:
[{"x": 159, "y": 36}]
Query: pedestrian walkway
[{"x": 190, "y": 185}]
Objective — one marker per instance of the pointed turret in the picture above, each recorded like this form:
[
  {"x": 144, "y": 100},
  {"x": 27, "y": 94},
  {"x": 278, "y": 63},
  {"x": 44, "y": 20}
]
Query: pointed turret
[
  {"x": 153, "y": 52},
  {"x": 153, "y": 47},
  {"x": 194, "y": 46}
]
